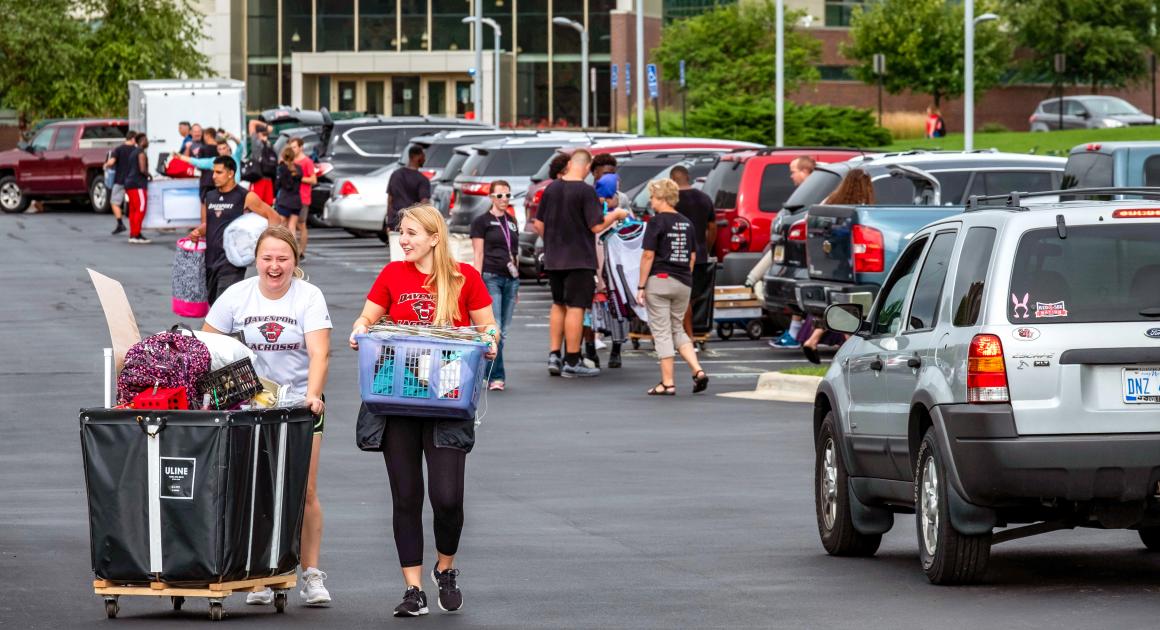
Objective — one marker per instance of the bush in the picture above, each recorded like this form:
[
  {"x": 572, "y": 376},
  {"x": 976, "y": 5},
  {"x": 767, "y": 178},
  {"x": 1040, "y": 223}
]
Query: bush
[{"x": 994, "y": 127}]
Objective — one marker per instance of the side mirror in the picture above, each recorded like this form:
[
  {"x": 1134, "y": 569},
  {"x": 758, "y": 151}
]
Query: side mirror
[
  {"x": 1085, "y": 115},
  {"x": 844, "y": 318},
  {"x": 27, "y": 147}
]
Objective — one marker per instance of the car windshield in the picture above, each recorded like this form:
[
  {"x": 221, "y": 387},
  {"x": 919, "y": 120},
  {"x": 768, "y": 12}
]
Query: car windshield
[
  {"x": 1099, "y": 273},
  {"x": 1109, "y": 107},
  {"x": 814, "y": 190},
  {"x": 1088, "y": 170}
]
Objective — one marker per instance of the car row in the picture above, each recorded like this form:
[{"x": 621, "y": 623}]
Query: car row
[{"x": 64, "y": 160}]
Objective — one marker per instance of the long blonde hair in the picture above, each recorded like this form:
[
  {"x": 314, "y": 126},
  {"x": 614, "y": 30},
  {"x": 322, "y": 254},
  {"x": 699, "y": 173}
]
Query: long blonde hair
[
  {"x": 283, "y": 234},
  {"x": 445, "y": 279}
]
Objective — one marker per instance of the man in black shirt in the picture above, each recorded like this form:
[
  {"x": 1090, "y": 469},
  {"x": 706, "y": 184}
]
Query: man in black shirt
[
  {"x": 697, "y": 208},
  {"x": 225, "y": 203},
  {"x": 568, "y": 217},
  {"x": 407, "y": 187},
  {"x": 120, "y": 163}
]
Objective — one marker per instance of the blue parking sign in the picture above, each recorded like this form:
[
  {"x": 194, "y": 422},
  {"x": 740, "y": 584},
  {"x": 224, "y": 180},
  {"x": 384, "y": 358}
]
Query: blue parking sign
[
  {"x": 628, "y": 79},
  {"x": 653, "y": 88},
  {"x": 682, "y": 73},
  {"x": 615, "y": 75}
]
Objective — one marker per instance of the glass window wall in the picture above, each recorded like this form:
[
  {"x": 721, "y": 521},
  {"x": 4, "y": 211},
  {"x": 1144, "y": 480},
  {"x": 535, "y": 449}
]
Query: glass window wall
[
  {"x": 414, "y": 34},
  {"x": 377, "y": 25},
  {"x": 375, "y": 92},
  {"x": 296, "y": 28},
  {"x": 262, "y": 29},
  {"x": 448, "y": 29},
  {"x": 261, "y": 86},
  {"x": 405, "y": 96},
  {"x": 437, "y": 97},
  {"x": 335, "y": 20}
]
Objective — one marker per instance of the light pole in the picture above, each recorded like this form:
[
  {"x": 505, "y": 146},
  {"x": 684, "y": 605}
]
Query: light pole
[
  {"x": 779, "y": 90},
  {"x": 579, "y": 28},
  {"x": 969, "y": 24},
  {"x": 498, "y": 32},
  {"x": 478, "y": 80},
  {"x": 640, "y": 67}
]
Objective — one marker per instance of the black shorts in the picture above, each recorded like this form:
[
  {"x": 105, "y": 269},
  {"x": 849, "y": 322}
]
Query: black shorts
[{"x": 573, "y": 287}]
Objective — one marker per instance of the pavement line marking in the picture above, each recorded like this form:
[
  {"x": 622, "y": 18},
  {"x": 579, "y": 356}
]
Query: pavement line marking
[{"x": 747, "y": 361}]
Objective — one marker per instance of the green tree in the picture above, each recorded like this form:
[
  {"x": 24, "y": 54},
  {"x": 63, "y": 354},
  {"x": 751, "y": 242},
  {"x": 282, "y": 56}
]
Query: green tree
[
  {"x": 1105, "y": 42},
  {"x": 923, "y": 44},
  {"x": 71, "y": 58},
  {"x": 730, "y": 50}
]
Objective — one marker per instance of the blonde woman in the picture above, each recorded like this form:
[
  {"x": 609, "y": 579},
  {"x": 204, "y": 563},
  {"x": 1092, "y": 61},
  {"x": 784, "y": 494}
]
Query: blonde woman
[
  {"x": 666, "y": 282},
  {"x": 285, "y": 322},
  {"x": 427, "y": 288}
]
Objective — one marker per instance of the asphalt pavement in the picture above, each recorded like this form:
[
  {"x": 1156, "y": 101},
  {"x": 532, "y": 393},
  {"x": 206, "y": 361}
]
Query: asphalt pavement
[{"x": 589, "y": 505}]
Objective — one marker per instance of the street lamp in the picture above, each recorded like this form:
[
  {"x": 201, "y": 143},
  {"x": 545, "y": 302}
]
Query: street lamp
[
  {"x": 779, "y": 81},
  {"x": 498, "y": 32},
  {"x": 579, "y": 28},
  {"x": 478, "y": 78},
  {"x": 640, "y": 67},
  {"x": 969, "y": 24}
]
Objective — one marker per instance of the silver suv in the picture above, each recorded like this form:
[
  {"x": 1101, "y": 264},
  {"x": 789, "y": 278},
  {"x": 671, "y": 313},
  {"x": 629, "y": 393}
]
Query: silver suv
[{"x": 1008, "y": 373}]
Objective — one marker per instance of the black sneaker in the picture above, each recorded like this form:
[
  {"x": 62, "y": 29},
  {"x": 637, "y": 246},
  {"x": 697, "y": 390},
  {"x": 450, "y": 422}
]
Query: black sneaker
[
  {"x": 120, "y": 228},
  {"x": 554, "y": 364},
  {"x": 414, "y": 603},
  {"x": 450, "y": 597}
]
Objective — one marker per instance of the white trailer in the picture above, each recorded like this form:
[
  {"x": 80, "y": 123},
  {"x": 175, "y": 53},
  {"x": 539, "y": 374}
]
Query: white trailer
[{"x": 155, "y": 108}]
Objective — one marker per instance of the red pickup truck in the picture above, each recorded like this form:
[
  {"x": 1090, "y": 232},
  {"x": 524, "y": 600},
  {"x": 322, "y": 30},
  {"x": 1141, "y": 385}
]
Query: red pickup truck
[{"x": 65, "y": 160}]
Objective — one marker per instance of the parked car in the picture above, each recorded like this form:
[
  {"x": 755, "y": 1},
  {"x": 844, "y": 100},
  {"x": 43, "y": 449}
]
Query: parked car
[
  {"x": 361, "y": 145},
  {"x": 898, "y": 179},
  {"x": 1113, "y": 164},
  {"x": 699, "y": 167},
  {"x": 1087, "y": 112},
  {"x": 64, "y": 160},
  {"x": 440, "y": 147},
  {"x": 1006, "y": 374}
]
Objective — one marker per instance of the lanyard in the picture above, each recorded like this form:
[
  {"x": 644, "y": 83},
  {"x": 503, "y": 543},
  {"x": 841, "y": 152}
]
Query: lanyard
[{"x": 507, "y": 236}]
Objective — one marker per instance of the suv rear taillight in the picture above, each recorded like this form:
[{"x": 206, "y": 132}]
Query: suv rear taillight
[
  {"x": 739, "y": 241},
  {"x": 986, "y": 371},
  {"x": 451, "y": 204},
  {"x": 476, "y": 189},
  {"x": 869, "y": 253},
  {"x": 797, "y": 231}
]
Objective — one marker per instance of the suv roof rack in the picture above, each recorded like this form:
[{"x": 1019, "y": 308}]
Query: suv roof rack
[{"x": 1014, "y": 199}]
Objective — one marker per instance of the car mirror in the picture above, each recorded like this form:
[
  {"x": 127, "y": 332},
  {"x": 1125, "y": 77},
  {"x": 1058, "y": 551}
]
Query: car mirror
[
  {"x": 1085, "y": 115},
  {"x": 844, "y": 318}
]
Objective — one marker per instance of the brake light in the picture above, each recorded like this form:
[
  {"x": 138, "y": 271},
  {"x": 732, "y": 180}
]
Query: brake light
[
  {"x": 451, "y": 205},
  {"x": 476, "y": 189},
  {"x": 869, "y": 252},
  {"x": 347, "y": 189},
  {"x": 1137, "y": 213},
  {"x": 536, "y": 198},
  {"x": 986, "y": 371},
  {"x": 739, "y": 240},
  {"x": 797, "y": 231},
  {"x": 1092, "y": 147},
  {"x": 428, "y": 174}
]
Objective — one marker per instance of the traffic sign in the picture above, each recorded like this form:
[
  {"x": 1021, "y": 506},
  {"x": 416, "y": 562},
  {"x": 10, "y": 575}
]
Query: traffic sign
[
  {"x": 682, "y": 74},
  {"x": 653, "y": 88},
  {"x": 628, "y": 79},
  {"x": 615, "y": 75}
]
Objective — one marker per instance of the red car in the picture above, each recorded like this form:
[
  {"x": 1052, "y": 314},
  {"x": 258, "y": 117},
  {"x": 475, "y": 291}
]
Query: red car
[
  {"x": 65, "y": 160},
  {"x": 748, "y": 189}
]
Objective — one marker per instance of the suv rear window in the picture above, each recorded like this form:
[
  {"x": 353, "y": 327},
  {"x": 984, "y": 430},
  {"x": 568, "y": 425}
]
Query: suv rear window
[
  {"x": 1099, "y": 273},
  {"x": 776, "y": 187},
  {"x": 971, "y": 275},
  {"x": 1152, "y": 171},
  {"x": 1088, "y": 170},
  {"x": 723, "y": 183},
  {"x": 1005, "y": 182},
  {"x": 519, "y": 162}
]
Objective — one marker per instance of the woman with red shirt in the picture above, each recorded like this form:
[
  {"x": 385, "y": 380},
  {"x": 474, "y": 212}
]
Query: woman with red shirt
[{"x": 427, "y": 288}]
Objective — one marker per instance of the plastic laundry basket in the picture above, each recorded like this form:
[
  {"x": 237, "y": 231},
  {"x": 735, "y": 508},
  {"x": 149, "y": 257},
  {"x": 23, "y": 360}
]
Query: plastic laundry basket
[{"x": 421, "y": 376}]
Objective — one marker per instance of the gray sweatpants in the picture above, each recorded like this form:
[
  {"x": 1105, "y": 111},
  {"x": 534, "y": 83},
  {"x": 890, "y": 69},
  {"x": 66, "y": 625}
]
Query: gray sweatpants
[{"x": 667, "y": 300}]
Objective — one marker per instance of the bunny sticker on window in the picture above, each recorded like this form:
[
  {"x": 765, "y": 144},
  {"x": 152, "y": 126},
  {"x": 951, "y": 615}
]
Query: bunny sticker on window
[{"x": 1017, "y": 305}]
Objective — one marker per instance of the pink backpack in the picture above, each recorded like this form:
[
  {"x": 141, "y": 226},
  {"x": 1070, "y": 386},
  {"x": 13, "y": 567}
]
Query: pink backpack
[{"x": 167, "y": 359}]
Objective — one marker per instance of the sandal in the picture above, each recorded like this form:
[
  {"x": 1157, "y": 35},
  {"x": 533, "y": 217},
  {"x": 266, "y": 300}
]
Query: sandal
[
  {"x": 660, "y": 389},
  {"x": 811, "y": 355},
  {"x": 700, "y": 381},
  {"x": 495, "y": 386}
]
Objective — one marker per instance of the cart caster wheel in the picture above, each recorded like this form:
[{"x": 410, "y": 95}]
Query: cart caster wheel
[
  {"x": 754, "y": 328},
  {"x": 216, "y": 612},
  {"x": 177, "y": 600},
  {"x": 725, "y": 331},
  {"x": 636, "y": 344},
  {"x": 112, "y": 608},
  {"x": 280, "y": 601}
]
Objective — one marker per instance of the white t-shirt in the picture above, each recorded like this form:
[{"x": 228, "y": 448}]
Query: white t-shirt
[{"x": 274, "y": 329}]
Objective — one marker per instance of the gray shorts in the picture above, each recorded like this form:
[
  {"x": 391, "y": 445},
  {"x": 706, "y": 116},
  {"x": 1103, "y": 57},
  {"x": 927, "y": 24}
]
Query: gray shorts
[{"x": 118, "y": 196}]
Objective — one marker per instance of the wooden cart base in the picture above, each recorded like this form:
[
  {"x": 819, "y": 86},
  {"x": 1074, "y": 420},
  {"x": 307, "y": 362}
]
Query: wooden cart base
[
  {"x": 216, "y": 593},
  {"x": 636, "y": 338}
]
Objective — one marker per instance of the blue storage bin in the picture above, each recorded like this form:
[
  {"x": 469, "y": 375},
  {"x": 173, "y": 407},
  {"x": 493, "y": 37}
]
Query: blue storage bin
[{"x": 421, "y": 376}]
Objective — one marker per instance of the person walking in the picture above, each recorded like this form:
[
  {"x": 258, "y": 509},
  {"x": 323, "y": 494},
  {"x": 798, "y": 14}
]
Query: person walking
[
  {"x": 406, "y": 187},
  {"x": 224, "y": 204},
  {"x": 120, "y": 161},
  {"x": 305, "y": 191},
  {"x": 935, "y": 126},
  {"x": 284, "y": 320},
  {"x": 568, "y": 217},
  {"x": 697, "y": 207},
  {"x": 288, "y": 203},
  {"x": 800, "y": 168},
  {"x": 136, "y": 188},
  {"x": 495, "y": 241},
  {"x": 426, "y": 288},
  {"x": 666, "y": 282}
]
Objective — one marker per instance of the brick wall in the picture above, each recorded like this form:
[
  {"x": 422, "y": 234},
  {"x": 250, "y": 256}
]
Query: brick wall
[{"x": 623, "y": 50}]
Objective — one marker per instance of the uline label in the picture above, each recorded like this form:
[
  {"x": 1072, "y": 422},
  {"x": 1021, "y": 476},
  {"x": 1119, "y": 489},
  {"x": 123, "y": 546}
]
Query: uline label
[{"x": 177, "y": 477}]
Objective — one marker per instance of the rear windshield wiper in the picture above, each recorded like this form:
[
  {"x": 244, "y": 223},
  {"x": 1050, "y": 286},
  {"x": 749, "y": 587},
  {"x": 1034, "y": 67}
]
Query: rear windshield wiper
[{"x": 1151, "y": 311}]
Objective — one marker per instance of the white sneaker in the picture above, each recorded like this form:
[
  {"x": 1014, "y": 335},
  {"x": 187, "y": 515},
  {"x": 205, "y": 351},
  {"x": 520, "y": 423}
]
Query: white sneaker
[
  {"x": 261, "y": 598},
  {"x": 313, "y": 592},
  {"x": 600, "y": 345}
]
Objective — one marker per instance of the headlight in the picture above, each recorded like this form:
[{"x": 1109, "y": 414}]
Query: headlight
[{"x": 1111, "y": 122}]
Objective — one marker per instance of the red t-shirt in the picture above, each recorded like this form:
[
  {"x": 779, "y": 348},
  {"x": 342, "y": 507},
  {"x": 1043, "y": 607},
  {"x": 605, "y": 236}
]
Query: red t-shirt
[
  {"x": 399, "y": 289},
  {"x": 306, "y": 166}
]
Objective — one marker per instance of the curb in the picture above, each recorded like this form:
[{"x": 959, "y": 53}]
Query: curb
[{"x": 781, "y": 387}]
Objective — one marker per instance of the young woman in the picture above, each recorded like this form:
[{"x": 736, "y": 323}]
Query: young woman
[
  {"x": 495, "y": 239},
  {"x": 285, "y": 322},
  {"x": 666, "y": 282},
  {"x": 426, "y": 288},
  {"x": 288, "y": 202}
]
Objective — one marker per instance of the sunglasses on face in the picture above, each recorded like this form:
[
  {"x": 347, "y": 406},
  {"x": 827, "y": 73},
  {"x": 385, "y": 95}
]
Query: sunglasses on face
[{"x": 501, "y": 195}]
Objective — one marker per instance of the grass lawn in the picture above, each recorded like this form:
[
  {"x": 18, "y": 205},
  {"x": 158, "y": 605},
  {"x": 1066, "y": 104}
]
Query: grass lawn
[
  {"x": 1048, "y": 143},
  {"x": 808, "y": 370}
]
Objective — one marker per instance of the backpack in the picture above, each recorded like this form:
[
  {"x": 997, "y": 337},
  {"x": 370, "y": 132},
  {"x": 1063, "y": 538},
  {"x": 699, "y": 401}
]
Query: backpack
[
  {"x": 268, "y": 161},
  {"x": 166, "y": 359},
  {"x": 940, "y": 128}
]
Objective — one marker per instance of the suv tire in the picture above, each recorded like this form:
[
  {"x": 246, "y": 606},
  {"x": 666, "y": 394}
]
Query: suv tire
[
  {"x": 947, "y": 556},
  {"x": 12, "y": 199},
  {"x": 99, "y": 194},
  {"x": 1150, "y": 536},
  {"x": 832, "y": 499}
]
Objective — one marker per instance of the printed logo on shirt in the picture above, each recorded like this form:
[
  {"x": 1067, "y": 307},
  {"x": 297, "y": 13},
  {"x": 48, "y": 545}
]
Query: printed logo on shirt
[
  {"x": 422, "y": 304},
  {"x": 271, "y": 331}
]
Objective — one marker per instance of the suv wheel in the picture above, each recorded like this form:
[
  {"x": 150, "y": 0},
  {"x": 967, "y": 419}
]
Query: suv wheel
[
  {"x": 12, "y": 199},
  {"x": 948, "y": 557},
  {"x": 1150, "y": 536},
  {"x": 98, "y": 194},
  {"x": 832, "y": 499}
]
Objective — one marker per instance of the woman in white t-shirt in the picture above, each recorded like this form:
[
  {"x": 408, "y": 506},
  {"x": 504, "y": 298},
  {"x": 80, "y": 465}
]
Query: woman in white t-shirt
[{"x": 284, "y": 320}]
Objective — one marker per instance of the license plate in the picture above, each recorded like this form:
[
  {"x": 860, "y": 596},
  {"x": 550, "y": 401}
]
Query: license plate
[
  {"x": 779, "y": 254},
  {"x": 1141, "y": 385}
]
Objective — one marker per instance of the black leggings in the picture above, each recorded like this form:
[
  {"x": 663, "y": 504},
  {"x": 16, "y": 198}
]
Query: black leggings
[{"x": 406, "y": 442}]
